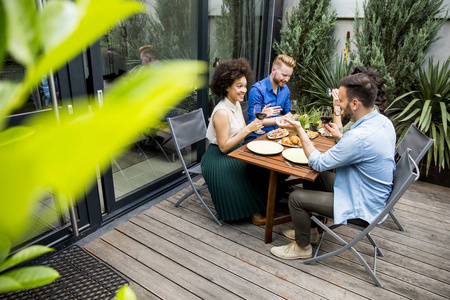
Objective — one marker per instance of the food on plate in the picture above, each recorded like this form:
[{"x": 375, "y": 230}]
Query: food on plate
[
  {"x": 294, "y": 139},
  {"x": 278, "y": 133},
  {"x": 287, "y": 141},
  {"x": 311, "y": 134}
]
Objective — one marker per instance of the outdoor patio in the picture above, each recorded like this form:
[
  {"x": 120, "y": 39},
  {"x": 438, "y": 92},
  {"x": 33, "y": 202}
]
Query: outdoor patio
[{"x": 180, "y": 253}]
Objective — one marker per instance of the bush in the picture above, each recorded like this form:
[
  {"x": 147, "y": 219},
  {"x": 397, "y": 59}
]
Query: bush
[
  {"x": 308, "y": 38},
  {"x": 394, "y": 36},
  {"x": 427, "y": 105}
]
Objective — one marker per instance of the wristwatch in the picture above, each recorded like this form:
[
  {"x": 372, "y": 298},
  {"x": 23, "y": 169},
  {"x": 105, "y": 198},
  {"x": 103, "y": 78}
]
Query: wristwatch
[{"x": 337, "y": 112}]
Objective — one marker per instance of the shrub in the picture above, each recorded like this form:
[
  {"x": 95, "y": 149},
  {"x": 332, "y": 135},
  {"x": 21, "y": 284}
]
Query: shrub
[
  {"x": 427, "y": 105},
  {"x": 394, "y": 36},
  {"x": 308, "y": 38}
]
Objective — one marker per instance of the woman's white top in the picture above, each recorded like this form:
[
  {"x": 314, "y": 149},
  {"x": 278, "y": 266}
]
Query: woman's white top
[{"x": 236, "y": 120}]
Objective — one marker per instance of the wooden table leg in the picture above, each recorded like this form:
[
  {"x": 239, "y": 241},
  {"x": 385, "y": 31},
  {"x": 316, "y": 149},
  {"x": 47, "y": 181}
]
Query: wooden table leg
[{"x": 270, "y": 206}]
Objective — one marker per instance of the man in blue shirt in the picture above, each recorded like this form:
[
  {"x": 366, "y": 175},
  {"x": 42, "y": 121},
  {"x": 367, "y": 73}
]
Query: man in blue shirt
[
  {"x": 272, "y": 94},
  {"x": 364, "y": 163}
]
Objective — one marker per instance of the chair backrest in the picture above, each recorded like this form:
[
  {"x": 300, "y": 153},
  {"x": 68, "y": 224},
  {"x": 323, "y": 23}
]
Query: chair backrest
[
  {"x": 415, "y": 140},
  {"x": 188, "y": 129},
  {"x": 244, "y": 106},
  {"x": 403, "y": 177}
]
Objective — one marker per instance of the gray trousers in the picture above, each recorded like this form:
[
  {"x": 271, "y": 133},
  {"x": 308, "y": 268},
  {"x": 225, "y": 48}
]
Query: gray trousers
[{"x": 315, "y": 197}]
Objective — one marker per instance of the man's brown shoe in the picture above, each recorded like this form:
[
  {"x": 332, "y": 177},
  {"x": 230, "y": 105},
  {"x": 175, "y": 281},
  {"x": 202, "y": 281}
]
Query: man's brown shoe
[{"x": 259, "y": 221}]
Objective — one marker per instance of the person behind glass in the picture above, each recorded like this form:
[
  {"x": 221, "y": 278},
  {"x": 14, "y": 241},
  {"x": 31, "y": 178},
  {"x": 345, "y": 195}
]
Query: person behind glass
[
  {"x": 379, "y": 102},
  {"x": 364, "y": 163},
  {"x": 272, "y": 94},
  {"x": 238, "y": 190},
  {"x": 148, "y": 55}
]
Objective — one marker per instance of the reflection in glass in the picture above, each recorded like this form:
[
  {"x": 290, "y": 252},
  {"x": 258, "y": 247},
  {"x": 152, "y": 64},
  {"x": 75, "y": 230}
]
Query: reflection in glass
[
  {"x": 39, "y": 98},
  {"x": 235, "y": 32},
  {"x": 164, "y": 33}
]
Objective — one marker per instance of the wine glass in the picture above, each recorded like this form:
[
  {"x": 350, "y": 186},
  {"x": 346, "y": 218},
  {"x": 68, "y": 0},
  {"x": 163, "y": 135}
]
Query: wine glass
[
  {"x": 294, "y": 107},
  {"x": 325, "y": 114},
  {"x": 260, "y": 115}
]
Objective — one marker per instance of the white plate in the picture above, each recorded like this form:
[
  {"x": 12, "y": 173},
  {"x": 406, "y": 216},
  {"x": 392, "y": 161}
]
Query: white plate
[
  {"x": 292, "y": 146},
  {"x": 295, "y": 155},
  {"x": 265, "y": 147}
]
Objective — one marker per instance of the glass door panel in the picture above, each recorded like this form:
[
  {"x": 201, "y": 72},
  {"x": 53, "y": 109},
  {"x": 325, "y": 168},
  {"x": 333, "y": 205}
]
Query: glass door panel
[
  {"x": 49, "y": 216},
  {"x": 164, "y": 33},
  {"x": 235, "y": 31}
]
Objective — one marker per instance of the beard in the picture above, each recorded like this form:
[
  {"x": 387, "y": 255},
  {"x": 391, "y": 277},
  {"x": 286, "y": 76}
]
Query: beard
[{"x": 278, "y": 82}]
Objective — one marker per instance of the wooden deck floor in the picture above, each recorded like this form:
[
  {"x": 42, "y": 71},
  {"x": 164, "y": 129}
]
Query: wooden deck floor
[{"x": 180, "y": 253}]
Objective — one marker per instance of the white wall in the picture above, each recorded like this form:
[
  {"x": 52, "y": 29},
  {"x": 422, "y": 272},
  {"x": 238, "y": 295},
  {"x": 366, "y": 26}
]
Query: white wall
[{"x": 345, "y": 10}]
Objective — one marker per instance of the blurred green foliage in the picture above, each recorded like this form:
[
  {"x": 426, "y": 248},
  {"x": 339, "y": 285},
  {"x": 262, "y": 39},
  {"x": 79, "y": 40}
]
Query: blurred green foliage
[{"x": 41, "y": 42}]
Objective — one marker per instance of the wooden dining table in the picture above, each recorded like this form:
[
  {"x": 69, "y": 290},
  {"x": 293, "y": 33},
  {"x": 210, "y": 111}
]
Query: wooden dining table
[{"x": 278, "y": 164}]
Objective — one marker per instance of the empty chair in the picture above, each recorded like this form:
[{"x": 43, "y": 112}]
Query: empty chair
[
  {"x": 189, "y": 129},
  {"x": 403, "y": 177},
  {"x": 419, "y": 144}
]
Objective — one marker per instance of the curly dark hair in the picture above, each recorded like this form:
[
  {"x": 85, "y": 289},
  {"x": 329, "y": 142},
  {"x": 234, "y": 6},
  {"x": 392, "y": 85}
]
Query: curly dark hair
[
  {"x": 380, "y": 101},
  {"x": 227, "y": 72}
]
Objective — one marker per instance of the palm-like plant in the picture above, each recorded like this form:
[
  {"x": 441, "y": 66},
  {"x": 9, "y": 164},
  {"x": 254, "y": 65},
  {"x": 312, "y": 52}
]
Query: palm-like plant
[
  {"x": 427, "y": 105},
  {"x": 327, "y": 77}
]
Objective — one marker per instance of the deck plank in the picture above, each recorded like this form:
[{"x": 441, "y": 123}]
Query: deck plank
[{"x": 174, "y": 253}]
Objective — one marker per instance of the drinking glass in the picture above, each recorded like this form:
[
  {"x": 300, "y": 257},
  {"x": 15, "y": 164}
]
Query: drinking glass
[
  {"x": 329, "y": 90},
  {"x": 260, "y": 115},
  {"x": 294, "y": 107},
  {"x": 326, "y": 114}
]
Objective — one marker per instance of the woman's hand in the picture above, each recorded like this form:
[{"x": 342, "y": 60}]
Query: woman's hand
[
  {"x": 271, "y": 111},
  {"x": 334, "y": 130},
  {"x": 254, "y": 125}
]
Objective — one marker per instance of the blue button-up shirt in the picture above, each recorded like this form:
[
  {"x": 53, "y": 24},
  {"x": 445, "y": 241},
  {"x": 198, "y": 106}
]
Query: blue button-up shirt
[
  {"x": 262, "y": 93},
  {"x": 364, "y": 163}
]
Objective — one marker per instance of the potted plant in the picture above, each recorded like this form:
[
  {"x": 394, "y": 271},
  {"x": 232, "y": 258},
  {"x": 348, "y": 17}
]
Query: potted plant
[{"x": 314, "y": 119}]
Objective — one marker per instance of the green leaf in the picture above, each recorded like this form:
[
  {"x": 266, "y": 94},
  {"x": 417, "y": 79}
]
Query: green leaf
[
  {"x": 3, "y": 35},
  {"x": 24, "y": 255},
  {"x": 410, "y": 115},
  {"x": 8, "y": 284},
  {"x": 406, "y": 109},
  {"x": 125, "y": 293},
  {"x": 8, "y": 101},
  {"x": 13, "y": 134},
  {"x": 5, "y": 246},
  {"x": 23, "y": 42},
  {"x": 95, "y": 17},
  {"x": 58, "y": 20},
  {"x": 150, "y": 92},
  {"x": 444, "y": 116},
  {"x": 31, "y": 277}
]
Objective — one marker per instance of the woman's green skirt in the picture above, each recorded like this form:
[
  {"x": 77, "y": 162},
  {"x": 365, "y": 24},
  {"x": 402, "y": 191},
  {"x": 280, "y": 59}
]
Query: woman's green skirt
[{"x": 238, "y": 189}]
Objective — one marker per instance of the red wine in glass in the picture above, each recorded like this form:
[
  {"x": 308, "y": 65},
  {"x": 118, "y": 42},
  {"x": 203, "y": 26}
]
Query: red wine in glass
[
  {"x": 325, "y": 119},
  {"x": 260, "y": 115}
]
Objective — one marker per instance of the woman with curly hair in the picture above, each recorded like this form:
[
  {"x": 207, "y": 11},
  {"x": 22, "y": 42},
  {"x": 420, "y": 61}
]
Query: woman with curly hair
[{"x": 238, "y": 190}]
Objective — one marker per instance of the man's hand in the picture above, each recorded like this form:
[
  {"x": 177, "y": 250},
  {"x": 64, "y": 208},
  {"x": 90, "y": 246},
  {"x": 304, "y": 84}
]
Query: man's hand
[
  {"x": 335, "y": 94},
  {"x": 271, "y": 111},
  {"x": 334, "y": 130},
  {"x": 292, "y": 122}
]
